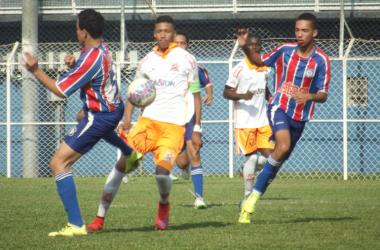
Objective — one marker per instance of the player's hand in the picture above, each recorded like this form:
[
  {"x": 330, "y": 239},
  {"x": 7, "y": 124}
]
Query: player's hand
[
  {"x": 300, "y": 97},
  {"x": 125, "y": 125},
  {"x": 69, "y": 60},
  {"x": 242, "y": 37},
  {"x": 208, "y": 100},
  {"x": 79, "y": 115},
  {"x": 29, "y": 62},
  {"x": 196, "y": 139},
  {"x": 247, "y": 96}
]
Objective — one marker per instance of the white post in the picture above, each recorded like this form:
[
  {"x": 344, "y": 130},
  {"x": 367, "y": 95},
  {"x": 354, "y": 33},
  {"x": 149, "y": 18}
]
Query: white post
[
  {"x": 341, "y": 31},
  {"x": 8, "y": 101},
  {"x": 316, "y": 6},
  {"x": 231, "y": 119},
  {"x": 234, "y": 6},
  {"x": 345, "y": 104}
]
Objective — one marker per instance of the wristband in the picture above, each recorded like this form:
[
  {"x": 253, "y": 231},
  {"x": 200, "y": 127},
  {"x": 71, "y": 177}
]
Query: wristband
[{"x": 197, "y": 128}]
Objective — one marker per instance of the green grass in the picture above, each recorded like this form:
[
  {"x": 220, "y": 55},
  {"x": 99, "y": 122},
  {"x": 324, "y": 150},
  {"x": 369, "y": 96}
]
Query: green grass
[{"x": 294, "y": 214}]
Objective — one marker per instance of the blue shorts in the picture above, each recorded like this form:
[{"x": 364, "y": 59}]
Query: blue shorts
[
  {"x": 189, "y": 127},
  {"x": 279, "y": 120},
  {"x": 95, "y": 126}
]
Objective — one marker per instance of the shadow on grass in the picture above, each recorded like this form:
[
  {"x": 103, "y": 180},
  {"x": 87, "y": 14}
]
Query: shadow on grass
[
  {"x": 175, "y": 227},
  {"x": 308, "y": 220}
]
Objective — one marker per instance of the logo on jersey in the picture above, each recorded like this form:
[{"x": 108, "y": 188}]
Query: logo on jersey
[
  {"x": 175, "y": 67},
  {"x": 72, "y": 131},
  {"x": 310, "y": 73}
]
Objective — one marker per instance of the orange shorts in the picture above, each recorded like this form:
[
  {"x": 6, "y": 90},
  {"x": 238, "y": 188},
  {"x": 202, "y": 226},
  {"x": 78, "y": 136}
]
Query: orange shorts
[
  {"x": 165, "y": 140},
  {"x": 248, "y": 140}
]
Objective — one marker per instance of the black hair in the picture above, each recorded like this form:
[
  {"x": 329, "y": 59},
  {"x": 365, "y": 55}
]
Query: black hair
[
  {"x": 182, "y": 33},
  {"x": 308, "y": 17},
  {"x": 92, "y": 21},
  {"x": 165, "y": 19}
]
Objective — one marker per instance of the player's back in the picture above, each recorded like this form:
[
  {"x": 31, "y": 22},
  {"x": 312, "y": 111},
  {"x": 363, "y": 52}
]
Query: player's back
[{"x": 171, "y": 74}]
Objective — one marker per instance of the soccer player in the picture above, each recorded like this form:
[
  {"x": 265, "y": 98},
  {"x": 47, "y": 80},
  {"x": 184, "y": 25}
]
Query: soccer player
[
  {"x": 247, "y": 87},
  {"x": 161, "y": 129},
  {"x": 92, "y": 73},
  {"x": 302, "y": 77},
  {"x": 191, "y": 154}
]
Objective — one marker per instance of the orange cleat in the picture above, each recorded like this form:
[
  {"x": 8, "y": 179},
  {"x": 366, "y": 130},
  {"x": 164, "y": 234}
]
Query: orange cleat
[
  {"x": 162, "y": 219},
  {"x": 96, "y": 225}
]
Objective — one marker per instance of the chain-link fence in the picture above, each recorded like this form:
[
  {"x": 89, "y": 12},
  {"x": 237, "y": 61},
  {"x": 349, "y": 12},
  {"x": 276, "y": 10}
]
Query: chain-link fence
[
  {"x": 341, "y": 141},
  {"x": 319, "y": 154}
]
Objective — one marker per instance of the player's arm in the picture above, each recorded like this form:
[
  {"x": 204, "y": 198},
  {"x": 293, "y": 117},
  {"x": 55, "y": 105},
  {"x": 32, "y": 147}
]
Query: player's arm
[
  {"x": 231, "y": 94},
  {"x": 322, "y": 81},
  {"x": 128, "y": 111},
  {"x": 243, "y": 40},
  {"x": 209, "y": 95},
  {"x": 31, "y": 64}
]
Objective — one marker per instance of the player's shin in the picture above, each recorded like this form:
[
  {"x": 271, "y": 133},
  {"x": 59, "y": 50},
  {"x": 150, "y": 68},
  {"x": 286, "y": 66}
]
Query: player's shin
[
  {"x": 249, "y": 168},
  {"x": 267, "y": 175},
  {"x": 111, "y": 187},
  {"x": 67, "y": 192},
  {"x": 164, "y": 184}
]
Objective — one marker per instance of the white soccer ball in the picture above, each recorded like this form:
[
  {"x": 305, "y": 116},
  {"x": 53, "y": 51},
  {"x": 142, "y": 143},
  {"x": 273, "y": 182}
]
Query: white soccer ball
[{"x": 141, "y": 92}]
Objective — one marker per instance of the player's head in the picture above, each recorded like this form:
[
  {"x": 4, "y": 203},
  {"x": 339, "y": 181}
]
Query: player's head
[
  {"x": 255, "y": 44},
  {"x": 181, "y": 39},
  {"x": 90, "y": 24},
  {"x": 306, "y": 29},
  {"x": 164, "y": 31}
]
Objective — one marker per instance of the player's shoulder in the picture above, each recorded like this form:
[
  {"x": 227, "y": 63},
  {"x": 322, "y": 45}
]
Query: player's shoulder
[
  {"x": 321, "y": 55},
  {"x": 178, "y": 51},
  {"x": 288, "y": 46}
]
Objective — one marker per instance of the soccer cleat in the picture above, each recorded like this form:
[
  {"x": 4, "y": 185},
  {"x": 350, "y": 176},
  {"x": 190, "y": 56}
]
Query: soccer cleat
[
  {"x": 132, "y": 161},
  {"x": 96, "y": 225},
  {"x": 69, "y": 231},
  {"x": 249, "y": 203},
  {"x": 199, "y": 203},
  {"x": 244, "y": 217},
  {"x": 162, "y": 219}
]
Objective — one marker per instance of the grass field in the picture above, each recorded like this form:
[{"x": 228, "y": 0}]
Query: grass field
[{"x": 294, "y": 214}]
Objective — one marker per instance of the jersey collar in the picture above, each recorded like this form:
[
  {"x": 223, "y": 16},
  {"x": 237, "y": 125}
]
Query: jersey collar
[
  {"x": 253, "y": 66},
  {"x": 163, "y": 54}
]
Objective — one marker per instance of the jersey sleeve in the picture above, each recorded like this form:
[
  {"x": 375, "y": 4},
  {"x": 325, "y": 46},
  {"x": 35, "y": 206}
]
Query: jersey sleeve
[
  {"x": 270, "y": 58},
  {"x": 204, "y": 78},
  {"x": 233, "y": 79},
  {"x": 193, "y": 77},
  {"x": 323, "y": 76},
  {"x": 86, "y": 67}
]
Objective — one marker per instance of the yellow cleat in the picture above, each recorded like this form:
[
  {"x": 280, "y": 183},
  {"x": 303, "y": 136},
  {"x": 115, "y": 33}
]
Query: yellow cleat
[
  {"x": 70, "y": 231},
  {"x": 244, "y": 217},
  {"x": 132, "y": 161},
  {"x": 249, "y": 204}
]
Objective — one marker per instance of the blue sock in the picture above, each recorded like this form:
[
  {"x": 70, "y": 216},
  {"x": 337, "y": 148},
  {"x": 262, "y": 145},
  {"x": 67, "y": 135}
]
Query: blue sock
[
  {"x": 197, "y": 178},
  {"x": 267, "y": 175},
  {"x": 67, "y": 192}
]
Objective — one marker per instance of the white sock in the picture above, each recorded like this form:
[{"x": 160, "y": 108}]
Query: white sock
[
  {"x": 164, "y": 184},
  {"x": 249, "y": 170},
  {"x": 109, "y": 191}
]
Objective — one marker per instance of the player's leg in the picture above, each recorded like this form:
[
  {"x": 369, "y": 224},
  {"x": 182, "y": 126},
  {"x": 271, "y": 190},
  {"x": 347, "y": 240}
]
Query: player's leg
[
  {"x": 117, "y": 174},
  {"x": 79, "y": 141},
  {"x": 246, "y": 143},
  {"x": 281, "y": 129},
  {"x": 265, "y": 146},
  {"x": 168, "y": 147},
  {"x": 183, "y": 162},
  {"x": 194, "y": 156},
  {"x": 114, "y": 179}
]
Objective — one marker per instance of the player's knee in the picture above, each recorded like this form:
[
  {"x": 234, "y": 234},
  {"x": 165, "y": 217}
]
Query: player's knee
[
  {"x": 283, "y": 149},
  {"x": 161, "y": 171}
]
